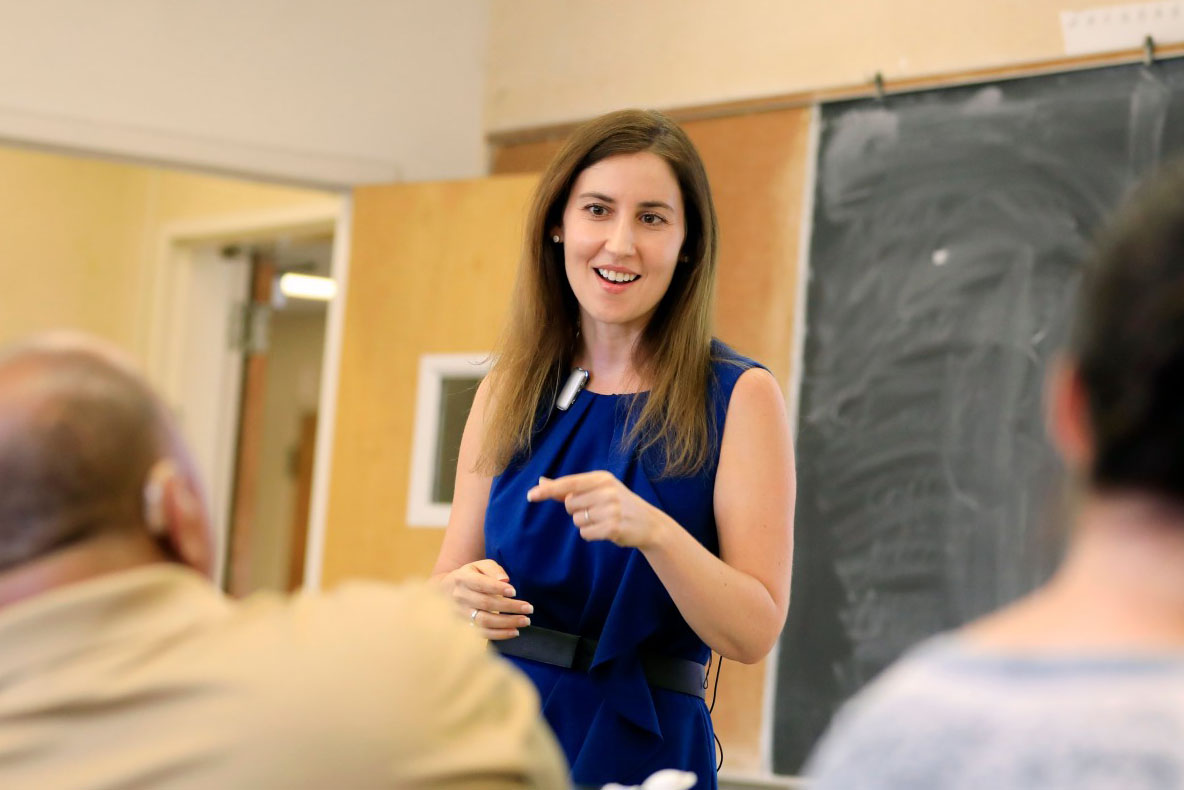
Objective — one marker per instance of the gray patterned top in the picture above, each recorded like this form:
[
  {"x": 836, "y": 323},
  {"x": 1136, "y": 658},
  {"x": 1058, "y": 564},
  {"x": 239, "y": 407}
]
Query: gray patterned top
[{"x": 949, "y": 715}]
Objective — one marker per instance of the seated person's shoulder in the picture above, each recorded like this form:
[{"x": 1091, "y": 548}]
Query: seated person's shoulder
[
  {"x": 373, "y": 660},
  {"x": 355, "y": 601},
  {"x": 898, "y": 725},
  {"x": 398, "y": 628}
]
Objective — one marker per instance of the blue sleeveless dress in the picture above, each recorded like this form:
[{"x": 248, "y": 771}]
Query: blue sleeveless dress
[{"x": 611, "y": 724}]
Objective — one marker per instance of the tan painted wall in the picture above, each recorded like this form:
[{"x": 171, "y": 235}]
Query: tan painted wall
[
  {"x": 79, "y": 246},
  {"x": 181, "y": 196},
  {"x": 562, "y": 60},
  {"x": 70, "y": 245}
]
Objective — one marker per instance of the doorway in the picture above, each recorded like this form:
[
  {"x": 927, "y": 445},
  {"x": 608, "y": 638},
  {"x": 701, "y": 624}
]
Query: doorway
[{"x": 245, "y": 384}]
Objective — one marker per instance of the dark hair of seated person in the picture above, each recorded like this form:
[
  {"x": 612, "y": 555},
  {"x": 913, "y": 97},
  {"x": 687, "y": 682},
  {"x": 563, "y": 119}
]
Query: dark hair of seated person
[{"x": 1129, "y": 343}]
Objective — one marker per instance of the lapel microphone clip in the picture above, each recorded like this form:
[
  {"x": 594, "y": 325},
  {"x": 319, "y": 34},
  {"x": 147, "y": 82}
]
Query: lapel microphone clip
[{"x": 571, "y": 388}]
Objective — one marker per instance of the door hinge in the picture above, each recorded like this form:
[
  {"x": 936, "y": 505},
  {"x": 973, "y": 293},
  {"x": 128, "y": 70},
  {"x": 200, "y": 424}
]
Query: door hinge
[{"x": 249, "y": 324}]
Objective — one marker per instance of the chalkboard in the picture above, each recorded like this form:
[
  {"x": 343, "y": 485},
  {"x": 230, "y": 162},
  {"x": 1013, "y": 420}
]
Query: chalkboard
[{"x": 948, "y": 234}]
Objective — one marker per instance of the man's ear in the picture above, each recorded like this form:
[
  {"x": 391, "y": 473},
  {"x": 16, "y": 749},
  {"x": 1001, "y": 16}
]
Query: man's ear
[
  {"x": 173, "y": 512},
  {"x": 1067, "y": 415}
]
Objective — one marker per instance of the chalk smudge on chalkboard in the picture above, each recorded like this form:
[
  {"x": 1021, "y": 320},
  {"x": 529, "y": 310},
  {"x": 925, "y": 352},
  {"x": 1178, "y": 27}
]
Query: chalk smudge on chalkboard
[{"x": 1149, "y": 109}]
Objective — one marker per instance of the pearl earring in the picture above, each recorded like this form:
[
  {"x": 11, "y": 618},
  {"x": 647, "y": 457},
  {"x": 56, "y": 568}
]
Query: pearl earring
[{"x": 556, "y": 238}]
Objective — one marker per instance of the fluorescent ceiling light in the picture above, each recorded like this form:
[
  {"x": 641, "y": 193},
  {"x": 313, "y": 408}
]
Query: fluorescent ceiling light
[{"x": 306, "y": 286}]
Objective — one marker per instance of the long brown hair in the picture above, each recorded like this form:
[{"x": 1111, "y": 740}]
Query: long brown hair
[{"x": 674, "y": 353}]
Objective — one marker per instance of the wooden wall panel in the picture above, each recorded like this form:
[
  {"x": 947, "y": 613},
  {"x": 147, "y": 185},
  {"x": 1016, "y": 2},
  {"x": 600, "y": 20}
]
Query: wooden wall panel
[
  {"x": 431, "y": 271},
  {"x": 757, "y": 167},
  {"x": 524, "y": 157}
]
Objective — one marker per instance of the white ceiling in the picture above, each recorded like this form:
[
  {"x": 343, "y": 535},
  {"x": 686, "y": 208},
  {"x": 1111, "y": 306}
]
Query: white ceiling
[{"x": 317, "y": 92}]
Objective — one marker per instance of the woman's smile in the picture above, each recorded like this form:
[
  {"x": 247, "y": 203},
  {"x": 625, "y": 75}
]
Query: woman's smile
[{"x": 616, "y": 280}]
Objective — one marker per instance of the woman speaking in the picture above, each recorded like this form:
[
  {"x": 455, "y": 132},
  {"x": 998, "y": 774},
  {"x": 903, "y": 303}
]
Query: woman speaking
[{"x": 625, "y": 489}]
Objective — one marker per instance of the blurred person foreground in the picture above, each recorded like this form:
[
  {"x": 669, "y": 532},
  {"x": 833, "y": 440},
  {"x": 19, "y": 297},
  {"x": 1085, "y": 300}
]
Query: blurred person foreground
[{"x": 124, "y": 666}]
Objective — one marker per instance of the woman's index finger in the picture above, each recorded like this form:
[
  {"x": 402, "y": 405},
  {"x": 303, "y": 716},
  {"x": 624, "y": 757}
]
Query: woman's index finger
[{"x": 560, "y": 487}]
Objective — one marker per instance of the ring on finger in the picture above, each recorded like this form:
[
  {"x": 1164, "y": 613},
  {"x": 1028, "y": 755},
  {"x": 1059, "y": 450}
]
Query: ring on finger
[
  {"x": 473, "y": 617},
  {"x": 587, "y": 517}
]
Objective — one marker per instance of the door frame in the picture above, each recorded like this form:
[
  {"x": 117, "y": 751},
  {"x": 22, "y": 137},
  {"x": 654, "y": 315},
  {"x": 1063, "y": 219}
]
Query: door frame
[{"x": 174, "y": 246}]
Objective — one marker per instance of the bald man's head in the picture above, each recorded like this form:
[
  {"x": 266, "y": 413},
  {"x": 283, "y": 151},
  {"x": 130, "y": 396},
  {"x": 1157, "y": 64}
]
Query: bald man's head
[{"x": 79, "y": 433}]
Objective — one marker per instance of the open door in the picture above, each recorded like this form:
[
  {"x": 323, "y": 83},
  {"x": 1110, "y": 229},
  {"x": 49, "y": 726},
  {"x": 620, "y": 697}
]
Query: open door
[
  {"x": 244, "y": 494},
  {"x": 203, "y": 376},
  {"x": 431, "y": 271}
]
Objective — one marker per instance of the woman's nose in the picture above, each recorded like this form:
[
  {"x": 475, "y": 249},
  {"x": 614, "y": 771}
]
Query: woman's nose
[{"x": 620, "y": 239}]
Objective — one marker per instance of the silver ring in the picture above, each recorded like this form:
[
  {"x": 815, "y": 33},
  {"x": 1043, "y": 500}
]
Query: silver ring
[
  {"x": 473, "y": 617},
  {"x": 587, "y": 517}
]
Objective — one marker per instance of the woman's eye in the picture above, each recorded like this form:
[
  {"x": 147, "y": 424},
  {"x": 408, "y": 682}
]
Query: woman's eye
[
  {"x": 597, "y": 210},
  {"x": 652, "y": 219}
]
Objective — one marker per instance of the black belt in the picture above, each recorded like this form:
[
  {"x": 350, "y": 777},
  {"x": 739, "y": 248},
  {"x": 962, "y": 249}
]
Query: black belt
[{"x": 571, "y": 651}]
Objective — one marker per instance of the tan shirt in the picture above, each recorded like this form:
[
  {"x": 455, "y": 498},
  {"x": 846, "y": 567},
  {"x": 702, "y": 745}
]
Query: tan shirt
[{"x": 152, "y": 678}]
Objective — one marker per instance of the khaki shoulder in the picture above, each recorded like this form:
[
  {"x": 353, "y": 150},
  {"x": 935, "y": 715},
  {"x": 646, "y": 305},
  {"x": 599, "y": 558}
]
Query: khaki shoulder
[{"x": 460, "y": 709}]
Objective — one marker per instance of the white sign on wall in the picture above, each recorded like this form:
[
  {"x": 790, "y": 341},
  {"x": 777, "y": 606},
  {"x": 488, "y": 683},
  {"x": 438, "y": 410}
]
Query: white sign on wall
[{"x": 1119, "y": 27}]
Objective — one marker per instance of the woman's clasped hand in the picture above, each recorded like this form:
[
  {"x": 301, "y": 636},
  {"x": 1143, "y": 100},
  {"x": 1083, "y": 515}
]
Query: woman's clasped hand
[{"x": 483, "y": 593}]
